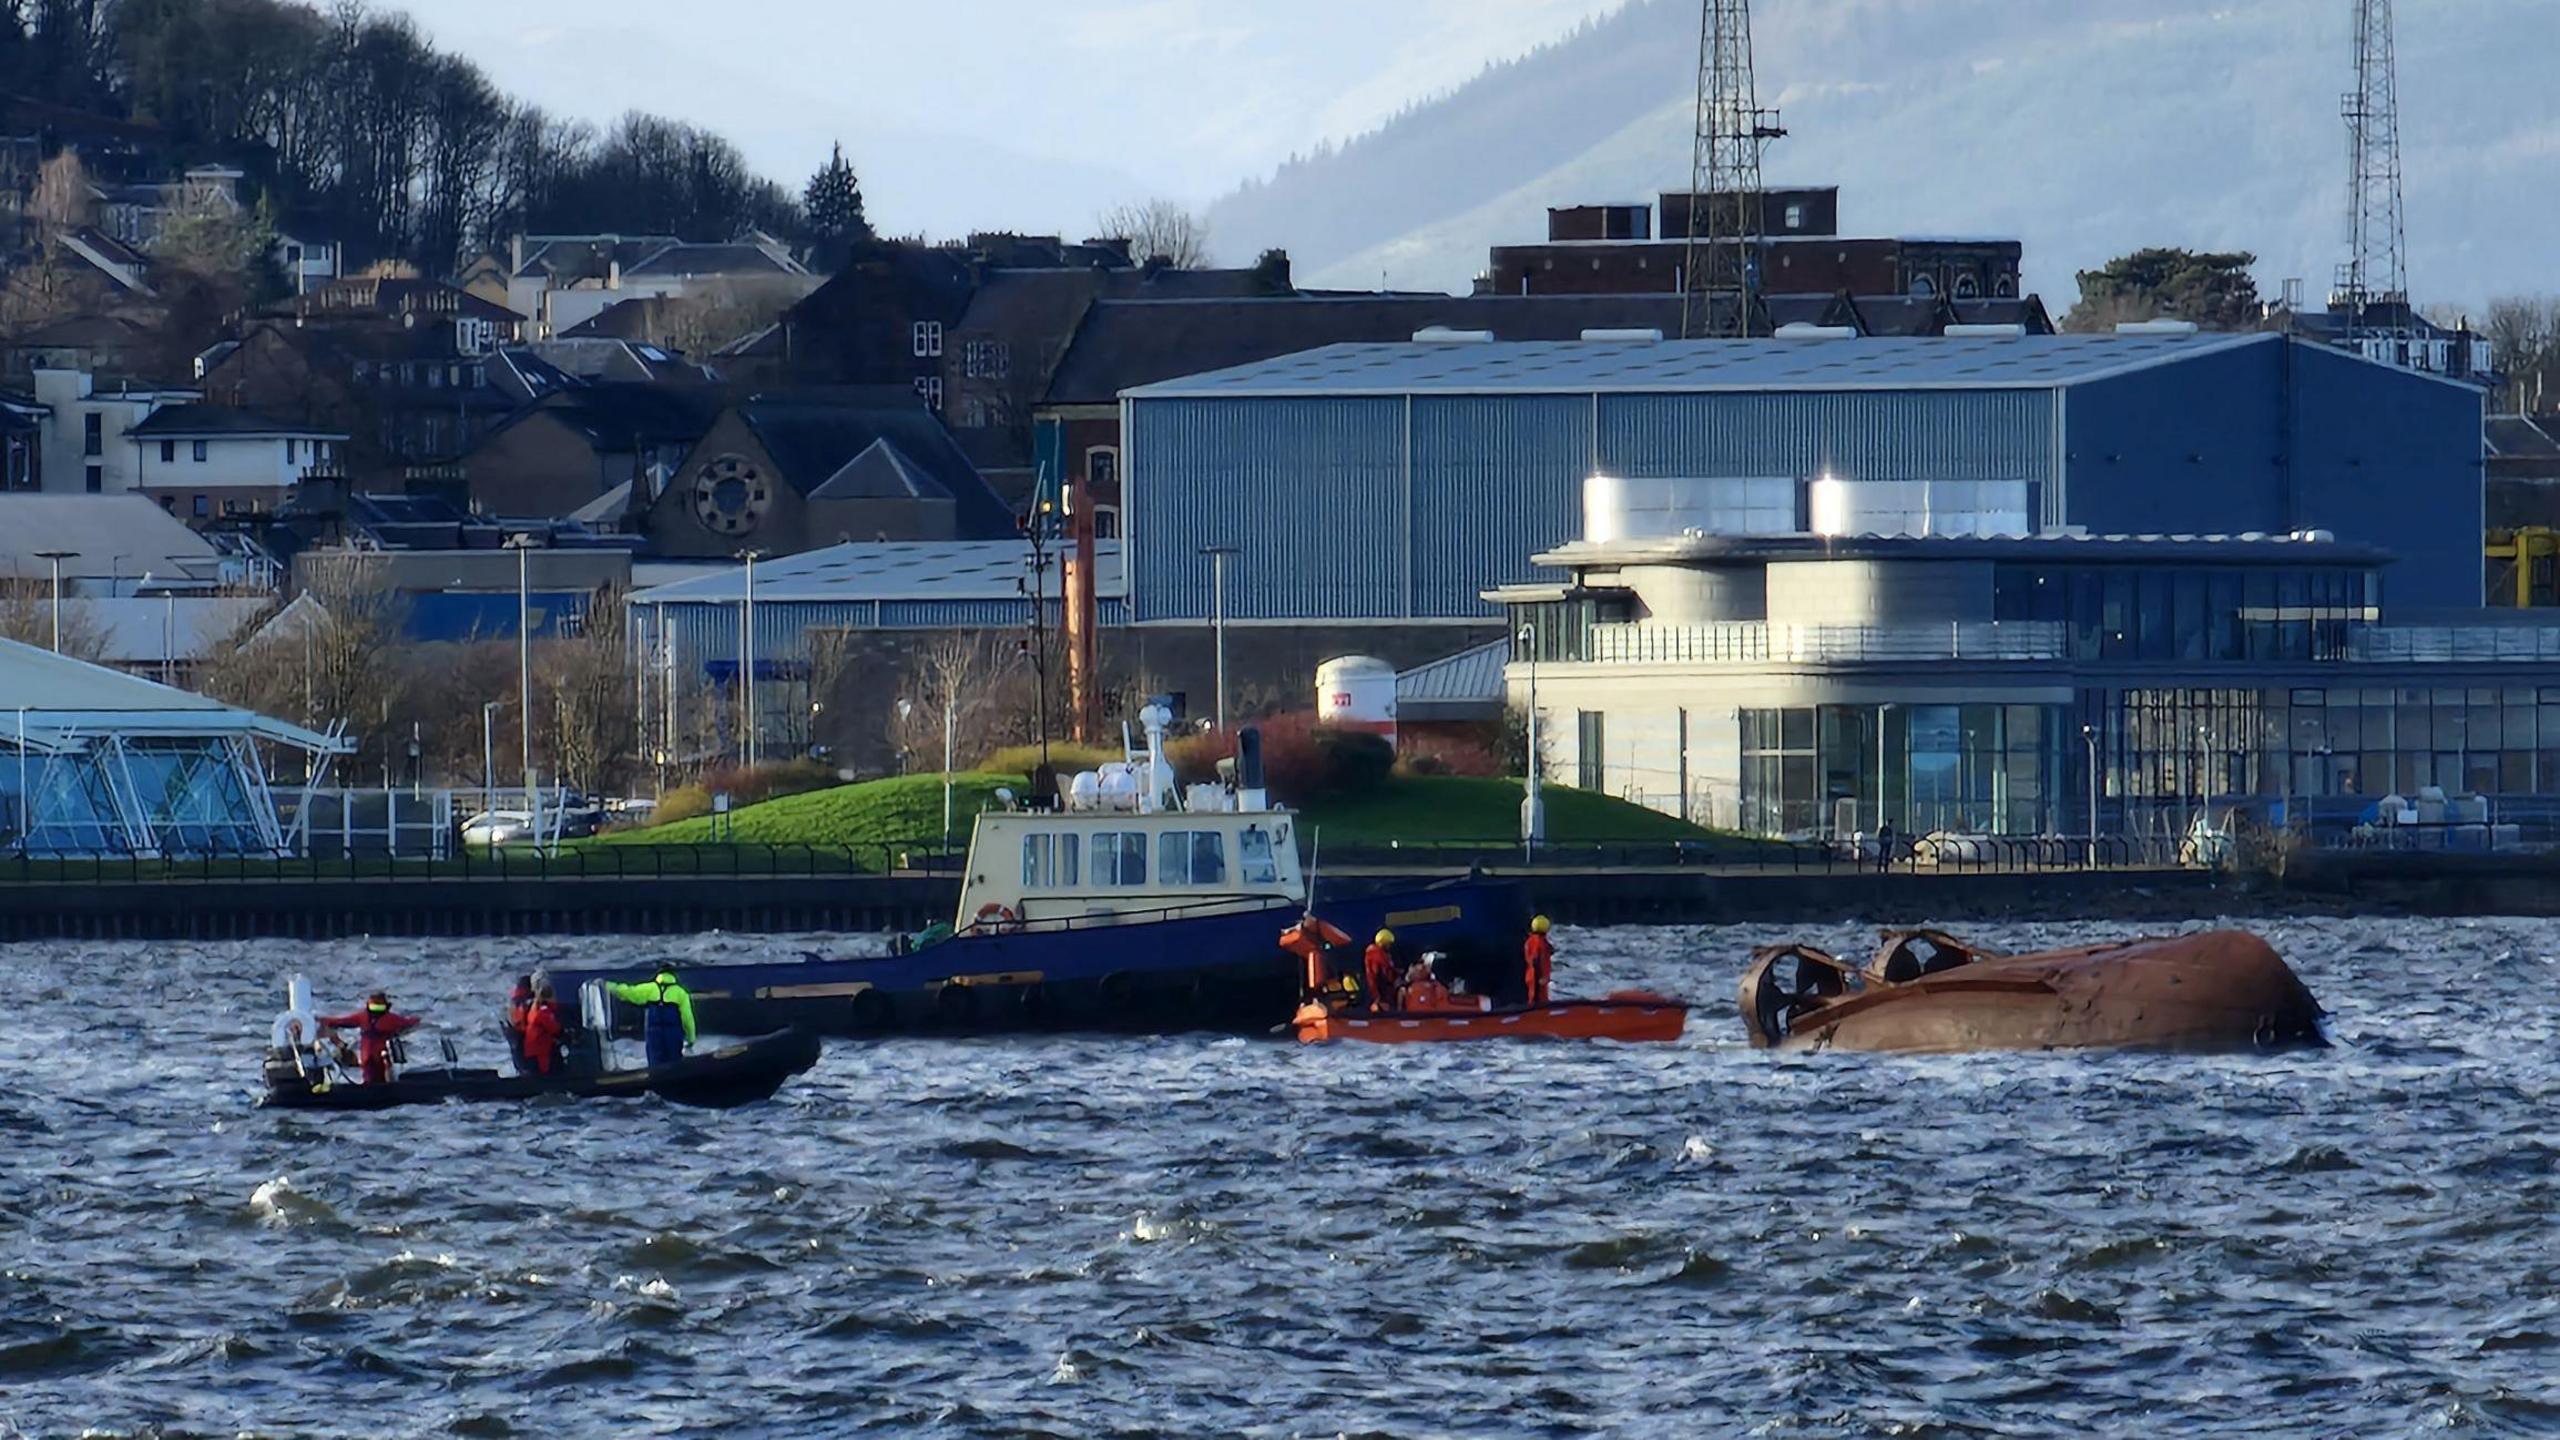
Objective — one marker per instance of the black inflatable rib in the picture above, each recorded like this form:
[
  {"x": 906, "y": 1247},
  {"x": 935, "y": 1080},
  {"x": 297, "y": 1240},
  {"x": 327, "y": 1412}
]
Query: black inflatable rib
[{"x": 738, "y": 1074}]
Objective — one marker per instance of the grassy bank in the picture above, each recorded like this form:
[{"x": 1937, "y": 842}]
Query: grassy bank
[{"x": 1407, "y": 810}]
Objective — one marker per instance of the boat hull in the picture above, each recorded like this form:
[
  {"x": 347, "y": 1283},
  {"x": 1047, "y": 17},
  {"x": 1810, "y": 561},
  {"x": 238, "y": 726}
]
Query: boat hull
[
  {"x": 1630, "y": 1018},
  {"x": 1222, "y": 970},
  {"x": 733, "y": 1075},
  {"x": 2216, "y": 991}
]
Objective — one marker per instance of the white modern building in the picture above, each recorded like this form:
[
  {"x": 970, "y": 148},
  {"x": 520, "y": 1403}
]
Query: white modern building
[
  {"x": 96, "y": 762},
  {"x": 83, "y": 429},
  {"x": 200, "y": 462}
]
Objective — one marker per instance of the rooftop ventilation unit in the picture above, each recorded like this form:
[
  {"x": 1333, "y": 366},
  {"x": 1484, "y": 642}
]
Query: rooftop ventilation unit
[
  {"x": 1801, "y": 330},
  {"x": 1986, "y": 332},
  {"x": 1443, "y": 335},
  {"x": 2156, "y": 327},
  {"x": 1639, "y": 337}
]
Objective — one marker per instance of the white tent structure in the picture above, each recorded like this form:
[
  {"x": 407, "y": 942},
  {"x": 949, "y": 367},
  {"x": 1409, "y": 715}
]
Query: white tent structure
[{"x": 97, "y": 762}]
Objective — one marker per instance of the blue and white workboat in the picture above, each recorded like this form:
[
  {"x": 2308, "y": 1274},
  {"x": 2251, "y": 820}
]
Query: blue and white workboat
[{"x": 1129, "y": 906}]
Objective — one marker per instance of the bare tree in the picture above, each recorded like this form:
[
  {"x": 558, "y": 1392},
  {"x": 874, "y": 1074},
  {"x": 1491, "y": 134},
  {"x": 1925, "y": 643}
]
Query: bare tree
[
  {"x": 63, "y": 199},
  {"x": 1158, "y": 230},
  {"x": 26, "y": 616},
  {"x": 2524, "y": 332},
  {"x": 985, "y": 679},
  {"x": 701, "y": 322},
  {"x": 595, "y": 716}
]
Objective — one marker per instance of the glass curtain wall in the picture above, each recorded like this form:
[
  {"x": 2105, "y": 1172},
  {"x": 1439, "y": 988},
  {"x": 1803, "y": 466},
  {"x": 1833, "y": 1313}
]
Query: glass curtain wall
[
  {"x": 174, "y": 796},
  {"x": 1972, "y": 769},
  {"x": 2124, "y": 612}
]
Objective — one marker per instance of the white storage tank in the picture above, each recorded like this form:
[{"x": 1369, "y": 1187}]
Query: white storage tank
[{"x": 1357, "y": 692}]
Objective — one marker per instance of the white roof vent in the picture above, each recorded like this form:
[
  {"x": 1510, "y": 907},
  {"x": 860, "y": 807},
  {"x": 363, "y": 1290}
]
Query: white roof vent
[
  {"x": 1800, "y": 330},
  {"x": 2156, "y": 327},
  {"x": 1443, "y": 335},
  {"x": 1987, "y": 332},
  {"x": 1640, "y": 337}
]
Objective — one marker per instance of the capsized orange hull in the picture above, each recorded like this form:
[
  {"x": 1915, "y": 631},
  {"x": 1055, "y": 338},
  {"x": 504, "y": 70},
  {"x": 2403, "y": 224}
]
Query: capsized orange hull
[{"x": 1631, "y": 1016}]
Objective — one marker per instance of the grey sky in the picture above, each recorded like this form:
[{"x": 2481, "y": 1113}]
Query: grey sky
[{"x": 1029, "y": 114}]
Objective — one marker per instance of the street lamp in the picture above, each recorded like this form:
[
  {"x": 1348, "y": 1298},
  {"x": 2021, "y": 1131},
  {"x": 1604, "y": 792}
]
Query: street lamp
[
  {"x": 747, "y": 653},
  {"x": 949, "y": 713},
  {"x": 57, "y": 557},
  {"x": 489, "y": 754},
  {"x": 1533, "y": 800},
  {"x": 2089, "y": 737},
  {"x": 522, "y": 544},
  {"x": 1218, "y": 619}
]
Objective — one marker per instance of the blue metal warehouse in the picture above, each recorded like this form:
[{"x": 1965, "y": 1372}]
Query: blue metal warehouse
[{"x": 1398, "y": 482}]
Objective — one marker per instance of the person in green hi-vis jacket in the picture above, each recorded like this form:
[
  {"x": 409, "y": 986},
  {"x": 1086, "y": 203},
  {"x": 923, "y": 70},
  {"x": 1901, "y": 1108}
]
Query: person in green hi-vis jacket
[{"x": 666, "y": 1013}]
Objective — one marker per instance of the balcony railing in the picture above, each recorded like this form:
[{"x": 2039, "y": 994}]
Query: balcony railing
[
  {"x": 1753, "y": 642},
  {"x": 2452, "y": 644}
]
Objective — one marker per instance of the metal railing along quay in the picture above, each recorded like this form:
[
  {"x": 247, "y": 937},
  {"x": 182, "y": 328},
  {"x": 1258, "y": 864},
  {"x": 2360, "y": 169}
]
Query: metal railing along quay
[{"x": 1756, "y": 642}]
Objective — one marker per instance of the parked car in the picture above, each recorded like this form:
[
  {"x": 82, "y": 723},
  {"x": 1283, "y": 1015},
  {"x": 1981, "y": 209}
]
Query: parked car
[{"x": 498, "y": 827}]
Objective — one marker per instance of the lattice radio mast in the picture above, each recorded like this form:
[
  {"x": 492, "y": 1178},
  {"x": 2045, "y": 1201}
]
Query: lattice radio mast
[
  {"x": 1726, "y": 231},
  {"x": 2376, "y": 273}
]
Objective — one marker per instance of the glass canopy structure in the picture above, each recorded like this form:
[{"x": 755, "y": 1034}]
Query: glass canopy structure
[{"x": 97, "y": 762}]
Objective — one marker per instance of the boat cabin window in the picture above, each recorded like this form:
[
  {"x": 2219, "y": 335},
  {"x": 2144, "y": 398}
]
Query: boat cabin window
[
  {"x": 1191, "y": 857},
  {"x": 1120, "y": 858},
  {"x": 1254, "y": 858},
  {"x": 1050, "y": 861}
]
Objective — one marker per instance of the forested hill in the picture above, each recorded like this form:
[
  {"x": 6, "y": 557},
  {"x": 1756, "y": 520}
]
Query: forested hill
[
  {"x": 2087, "y": 128},
  {"x": 351, "y": 116}
]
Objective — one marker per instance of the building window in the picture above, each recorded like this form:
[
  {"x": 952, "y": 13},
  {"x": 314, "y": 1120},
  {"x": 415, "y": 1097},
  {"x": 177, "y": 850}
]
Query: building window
[
  {"x": 987, "y": 359},
  {"x": 169, "y": 503},
  {"x": 290, "y": 447},
  {"x": 1106, "y": 522},
  {"x": 930, "y": 387},
  {"x": 1795, "y": 216},
  {"x": 1591, "y": 735},
  {"x": 203, "y": 507},
  {"x": 1102, "y": 470},
  {"x": 928, "y": 339},
  {"x": 1967, "y": 288},
  {"x": 168, "y": 452},
  {"x": 197, "y": 451},
  {"x": 97, "y": 479},
  {"x": 973, "y": 413},
  {"x": 1923, "y": 286},
  {"x": 2005, "y": 287},
  {"x": 93, "y": 434},
  {"x": 1778, "y": 772}
]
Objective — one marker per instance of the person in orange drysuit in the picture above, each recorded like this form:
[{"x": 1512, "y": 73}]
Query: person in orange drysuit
[
  {"x": 1378, "y": 969},
  {"x": 375, "y": 1026},
  {"x": 1422, "y": 988},
  {"x": 542, "y": 1033},
  {"x": 1538, "y": 962}
]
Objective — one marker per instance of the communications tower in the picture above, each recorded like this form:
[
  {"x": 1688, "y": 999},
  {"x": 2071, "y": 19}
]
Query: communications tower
[
  {"x": 1727, "y": 233},
  {"x": 2373, "y": 286}
]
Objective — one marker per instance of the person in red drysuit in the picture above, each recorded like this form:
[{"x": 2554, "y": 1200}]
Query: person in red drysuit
[
  {"x": 1538, "y": 961},
  {"x": 375, "y": 1025},
  {"x": 519, "y": 1001},
  {"x": 542, "y": 1033},
  {"x": 1378, "y": 968}
]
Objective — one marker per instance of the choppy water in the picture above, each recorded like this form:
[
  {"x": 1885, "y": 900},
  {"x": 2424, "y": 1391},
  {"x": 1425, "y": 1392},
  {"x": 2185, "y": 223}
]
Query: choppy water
[{"x": 1208, "y": 1237}]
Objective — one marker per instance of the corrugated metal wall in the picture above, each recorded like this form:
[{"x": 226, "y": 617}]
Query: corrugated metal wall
[
  {"x": 1856, "y": 435},
  {"x": 708, "y": 633},
  {"x": 1315, "y": 490}
]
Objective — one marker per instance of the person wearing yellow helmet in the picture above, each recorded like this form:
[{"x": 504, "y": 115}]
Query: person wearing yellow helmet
[
  {"x": 1378, "y": 971},
  {"x": 1538, "y": 961}
]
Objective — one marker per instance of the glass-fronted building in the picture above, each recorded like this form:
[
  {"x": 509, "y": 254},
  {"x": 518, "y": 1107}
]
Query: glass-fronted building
[{"x": 95, "y": 762}]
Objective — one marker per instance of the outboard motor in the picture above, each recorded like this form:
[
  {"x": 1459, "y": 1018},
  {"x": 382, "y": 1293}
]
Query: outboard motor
[{"x": 293, "y": 1045}]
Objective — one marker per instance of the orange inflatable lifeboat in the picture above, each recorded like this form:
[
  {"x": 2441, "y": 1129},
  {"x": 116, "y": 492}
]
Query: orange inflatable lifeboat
[{"x": 1629, "y": 1015}]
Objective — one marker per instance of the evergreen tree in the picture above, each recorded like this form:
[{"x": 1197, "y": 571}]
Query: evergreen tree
[
  {"x": 833, "y": 203},
  {"x": 2213, "y": 289}
]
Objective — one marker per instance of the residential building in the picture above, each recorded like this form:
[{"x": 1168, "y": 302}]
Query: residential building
[
  {"x": 562, "y": 282},
  {"x": 796, "y": 470},
  {"x": 22, "y": 431},
  {"x": 85, "y": 423},
  {"x": 1613, "y": 249},
  {"x": 117, "y": 346},
  {"x": 2391, "y": 331},
  {"x": 200, "y": 461},
  {"x": 411, "y": 402},
  {"x": 569, "y": 451}
]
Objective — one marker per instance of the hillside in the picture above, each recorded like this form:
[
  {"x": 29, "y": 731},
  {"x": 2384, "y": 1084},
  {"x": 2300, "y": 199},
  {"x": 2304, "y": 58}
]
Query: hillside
[{"x": 2085, "y": 129}]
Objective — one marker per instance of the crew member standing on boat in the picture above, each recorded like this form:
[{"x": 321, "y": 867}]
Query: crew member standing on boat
[
  {"x": 1378, "y": 969},
  {"x": 666, "y": 1014},
  {"x": 1538, "y": 961},
  {"x": 542, "y": 1033},
  {"x": 376, "y": 1027},
  {"x": 519, "y": 1001}
]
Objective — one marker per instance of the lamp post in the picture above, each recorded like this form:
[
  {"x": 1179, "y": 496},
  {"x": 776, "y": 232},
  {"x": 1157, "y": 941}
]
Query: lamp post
[
  {"x": 1533, "y": 800},
  {"x": 523, "y": 546},
  {"x": 2089, "y": 737},
  {"x": 489, "y": 754},
  {"x": 1218, "y": 619},
  {"x": 57, "y": 557},
  {"x": 747, "y": 656}
]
